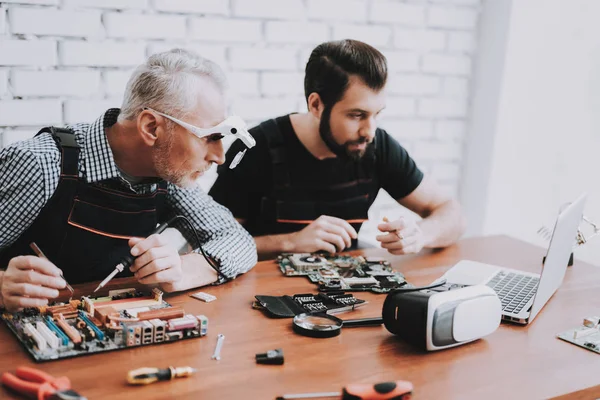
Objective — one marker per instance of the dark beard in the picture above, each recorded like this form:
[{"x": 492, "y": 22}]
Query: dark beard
[{"x": 342, "y": 151}]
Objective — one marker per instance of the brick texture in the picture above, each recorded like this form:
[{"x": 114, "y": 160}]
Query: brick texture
[{"x": 65, "y": 61}]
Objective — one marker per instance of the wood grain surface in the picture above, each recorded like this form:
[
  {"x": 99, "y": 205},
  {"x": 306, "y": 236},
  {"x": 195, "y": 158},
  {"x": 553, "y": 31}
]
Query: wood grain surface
[{"x": 515, "y": 362}]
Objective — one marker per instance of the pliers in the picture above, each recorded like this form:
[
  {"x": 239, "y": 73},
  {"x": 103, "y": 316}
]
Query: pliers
[{"x": 36, "y": 384}]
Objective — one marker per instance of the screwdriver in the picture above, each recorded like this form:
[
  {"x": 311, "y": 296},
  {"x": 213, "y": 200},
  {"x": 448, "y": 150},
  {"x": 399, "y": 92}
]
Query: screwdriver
[
  {"x": 145, "y": 376},
  {"x": 128, "y": 259},
  {"x": 399, "y": 390}
]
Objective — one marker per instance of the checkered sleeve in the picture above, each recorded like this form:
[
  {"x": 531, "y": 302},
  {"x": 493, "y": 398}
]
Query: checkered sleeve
[
  {"x": 28, "y": 177},
  {"x": 221, "y": 236}
]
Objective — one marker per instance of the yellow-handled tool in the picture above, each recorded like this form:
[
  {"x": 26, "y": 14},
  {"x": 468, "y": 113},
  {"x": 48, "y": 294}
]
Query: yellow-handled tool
[{"x": 145, "y": 376}]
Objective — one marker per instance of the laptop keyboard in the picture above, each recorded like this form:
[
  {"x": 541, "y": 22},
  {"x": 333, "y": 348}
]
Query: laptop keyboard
[{"x": 514, "y": 290}]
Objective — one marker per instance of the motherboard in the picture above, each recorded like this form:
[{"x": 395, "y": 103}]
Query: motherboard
[
  {"x": 586, "y": 335},
  {"x": 123, "y": 319},
  {"x": 343, "y": 272}
]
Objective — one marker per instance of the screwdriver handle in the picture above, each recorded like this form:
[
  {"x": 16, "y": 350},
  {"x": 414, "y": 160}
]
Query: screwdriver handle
[
  {"x": 399, "y": 390},
  {"x": 145, "y": 376}
]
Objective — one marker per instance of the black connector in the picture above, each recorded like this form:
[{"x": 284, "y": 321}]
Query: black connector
[{"x": 272, "y": 357}]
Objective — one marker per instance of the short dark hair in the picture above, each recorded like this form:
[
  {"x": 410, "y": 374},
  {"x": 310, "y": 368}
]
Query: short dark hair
[{"x": 331, "y": 64}]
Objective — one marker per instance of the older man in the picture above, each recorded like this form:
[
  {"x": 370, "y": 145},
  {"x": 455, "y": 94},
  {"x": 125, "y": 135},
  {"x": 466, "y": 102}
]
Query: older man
[{"x": 88, "y": 194}]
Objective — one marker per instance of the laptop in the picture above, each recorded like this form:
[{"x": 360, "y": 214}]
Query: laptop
[{"x": 524, "y": 294}]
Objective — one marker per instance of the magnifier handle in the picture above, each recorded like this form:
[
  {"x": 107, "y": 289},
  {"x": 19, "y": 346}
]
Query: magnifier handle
[{"x": 363, "y": 322}]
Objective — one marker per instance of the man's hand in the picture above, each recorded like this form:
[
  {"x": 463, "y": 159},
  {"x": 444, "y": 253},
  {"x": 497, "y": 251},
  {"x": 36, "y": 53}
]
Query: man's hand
[
  {"x": 157, "y": 261},
  {"x": 403, "y": 237},
  {"x": 326, "y": 233},
  {"x": 30, "y": 281}
]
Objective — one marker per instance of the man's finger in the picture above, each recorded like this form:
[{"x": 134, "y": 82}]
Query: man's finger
[
  {"x": 343, "y": 224},
  {"x": 29, "y": 290},
  {"x": 388, "y": 238},
  {"x": 396, "y": 225},
  {"x": 336, "y": 240},
  {"x": 400, "y": 244},
  {"x": 154, "y": 267},
  {"x": 155, "y": 253},
  {"x": 36, "y": 278},
  {"x": 325, "y": 246},
  {"x": 16, "y": 303},
  {"x": 134, "y": 240},
  {"x": 144, "y": 245},
  {"x": 39, "y": 264},
  {"x": 160, "y": 277},
  {"x": 339, "y": 232}
]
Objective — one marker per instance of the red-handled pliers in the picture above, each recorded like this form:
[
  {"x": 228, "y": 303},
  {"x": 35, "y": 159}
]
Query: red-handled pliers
[{"x": 36, "y": 384}]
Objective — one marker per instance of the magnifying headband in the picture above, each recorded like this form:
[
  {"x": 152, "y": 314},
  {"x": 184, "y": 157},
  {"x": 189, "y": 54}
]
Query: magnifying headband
[{"x": 233, "y": 125}]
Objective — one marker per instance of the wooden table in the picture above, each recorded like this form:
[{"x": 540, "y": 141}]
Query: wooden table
[{"x": 515, "y": 362}]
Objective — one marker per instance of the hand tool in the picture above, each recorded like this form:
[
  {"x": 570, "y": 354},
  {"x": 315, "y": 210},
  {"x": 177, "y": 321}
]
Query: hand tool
[
  {"x": 38, "y": 252},
  {"x": 34, "y": 383},
  {"x": 399, "y": 390},
  {"x": 144, "y": 376},
  {"x": 396, "y": 231},
  {"x": 217, "y": 354},
  {"x": 128, "y": 259},
  {"x": 323, "y": 325}
]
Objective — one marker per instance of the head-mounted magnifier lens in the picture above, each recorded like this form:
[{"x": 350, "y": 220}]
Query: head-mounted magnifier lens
[{"x": 233, "y": 125}]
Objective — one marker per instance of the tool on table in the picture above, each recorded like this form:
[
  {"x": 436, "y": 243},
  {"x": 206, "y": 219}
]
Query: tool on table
[
  {"x": 145, "y": 376},
  {"x": 37, "y": 384},
  {"x": 128, "y": 259},
  {"x": 205, "y": 297},
  {"x": 323, "y": 325},
  {"x": 38, "y": 252},
  {"x": 399, "y": 390},
  {"x": 271, "y": 357},
  {"x": 396, "y": 231},
  {"x": 217, "y": 354}
]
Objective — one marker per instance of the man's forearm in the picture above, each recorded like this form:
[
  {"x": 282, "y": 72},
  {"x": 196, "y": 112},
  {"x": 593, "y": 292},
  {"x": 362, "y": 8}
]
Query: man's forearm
[
  {"x": 444, "y": 226},
  {"x": 270, "y": 246},
  {"x": 196, "y": 272}
]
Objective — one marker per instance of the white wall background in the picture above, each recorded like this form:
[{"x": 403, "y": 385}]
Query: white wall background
[
  {"x": 535, "y": 134},
  {"x": 65, "y": 61}
]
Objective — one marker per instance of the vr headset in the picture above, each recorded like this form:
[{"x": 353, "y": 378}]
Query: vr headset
[
  {"x": 439, "y": 319},
  {"x": 233, "y": 125}
]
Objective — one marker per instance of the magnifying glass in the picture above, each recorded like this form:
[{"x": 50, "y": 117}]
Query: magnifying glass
[{"x": 325, "y": 325}]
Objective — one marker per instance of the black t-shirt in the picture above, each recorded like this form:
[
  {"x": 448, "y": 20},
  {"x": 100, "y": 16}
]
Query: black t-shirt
[{"x": 243, "y": 188}]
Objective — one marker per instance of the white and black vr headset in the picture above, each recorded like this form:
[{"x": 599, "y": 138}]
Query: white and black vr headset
[
  {"x": 439, "y": 317},
  {"x": 233, "y": 125}
]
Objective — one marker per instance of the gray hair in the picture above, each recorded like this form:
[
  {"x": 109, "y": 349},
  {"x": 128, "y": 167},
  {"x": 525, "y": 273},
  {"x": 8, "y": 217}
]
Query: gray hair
[{"x": 167, "y": 82}]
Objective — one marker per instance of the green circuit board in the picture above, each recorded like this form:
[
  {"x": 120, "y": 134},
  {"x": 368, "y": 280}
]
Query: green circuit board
[{"x": 343, "y": 272}]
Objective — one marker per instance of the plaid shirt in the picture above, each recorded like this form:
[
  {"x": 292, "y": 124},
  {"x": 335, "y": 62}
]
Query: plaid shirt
[{"x": 29, "y": 175}]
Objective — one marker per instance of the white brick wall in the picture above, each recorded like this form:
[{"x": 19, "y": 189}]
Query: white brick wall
[
  {"x": 54, "y": 22},
  {"x": 55, "y": 83},
  {"x": 65, "y": 61},
  {"x": 186, "y": 6}
]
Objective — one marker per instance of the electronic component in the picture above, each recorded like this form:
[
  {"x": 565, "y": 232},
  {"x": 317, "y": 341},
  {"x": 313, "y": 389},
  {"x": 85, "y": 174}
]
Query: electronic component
[
  {"x": 271, "y": 357},
  {"x": 586, "y": 335},
  {"x": 123, "y": 319},
  {"x": 205, "y": 297},
  {"x": 289, "y": 306},
  {"x": 343, "y": 272},
  {"x": 203, "y": 324}
]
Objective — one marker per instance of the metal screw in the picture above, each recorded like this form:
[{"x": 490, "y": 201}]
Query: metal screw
[{"x": 217, "y": 354}]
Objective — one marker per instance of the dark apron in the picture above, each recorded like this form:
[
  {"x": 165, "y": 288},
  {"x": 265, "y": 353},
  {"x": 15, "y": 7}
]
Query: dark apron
[
  {"x": 290, "y": 207},
  {"x": 84, "y": 228}
]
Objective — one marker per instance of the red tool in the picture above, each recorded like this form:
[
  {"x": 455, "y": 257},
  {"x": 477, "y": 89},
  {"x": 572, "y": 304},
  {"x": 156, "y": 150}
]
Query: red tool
[
  {"x": 36, "y": 384},
  {"x": 399, "y": 390}
]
